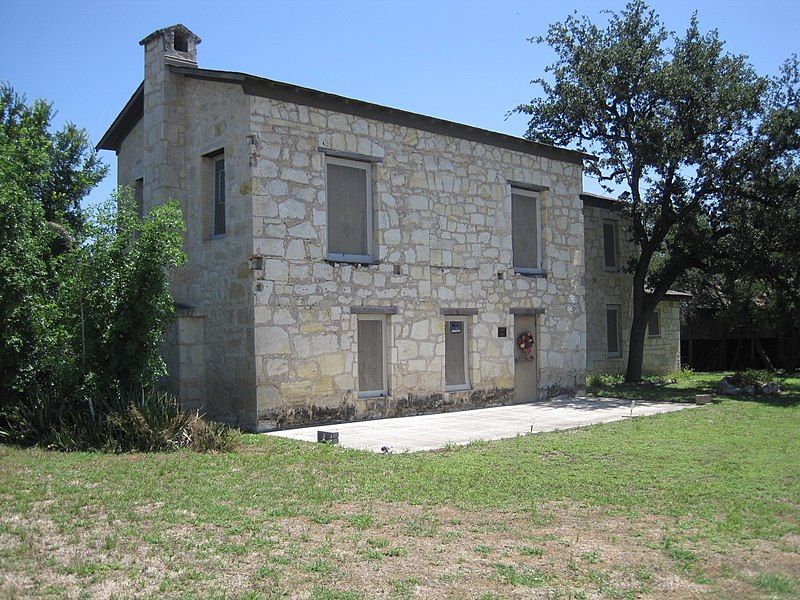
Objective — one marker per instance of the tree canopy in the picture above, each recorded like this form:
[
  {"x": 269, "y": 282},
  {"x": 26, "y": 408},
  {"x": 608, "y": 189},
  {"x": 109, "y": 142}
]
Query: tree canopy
[
  {"x": 669, "y": 117},
  {"x": 84, "y": 294}
]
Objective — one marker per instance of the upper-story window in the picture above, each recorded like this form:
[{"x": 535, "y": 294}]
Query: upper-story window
[
  {"x": 349, "y": 210},
  {"x": 654, "y": 324},
  {"x": 526, "y": 231},
  {"x": 610, "y": 245},
  {"x": 138, "y": 196},
  {"x": 219, "y": 195}
]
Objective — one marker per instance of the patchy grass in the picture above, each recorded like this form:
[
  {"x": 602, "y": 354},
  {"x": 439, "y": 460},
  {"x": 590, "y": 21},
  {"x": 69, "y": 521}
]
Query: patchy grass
[{"x": 689, "y": 503}]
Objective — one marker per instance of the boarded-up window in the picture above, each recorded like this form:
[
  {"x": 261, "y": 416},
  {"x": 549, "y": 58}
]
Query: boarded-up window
[
  {"x": 138, "y": 196},
  {"x": 349, "y": 210},
  {"x": 612, "y": 331},
  {"x": 610, "y": 244},
  {"x": 455, "y": 355},
  {"x": 525, "y": 230},
  {"x": 654, "y": 324},
  {"x": 371, "y": 357},
  {"x": 219, "y": 196}
]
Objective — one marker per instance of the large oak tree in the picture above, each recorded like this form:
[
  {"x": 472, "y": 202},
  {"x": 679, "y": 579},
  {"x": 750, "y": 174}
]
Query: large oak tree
[{"x": 668, "y": 116}]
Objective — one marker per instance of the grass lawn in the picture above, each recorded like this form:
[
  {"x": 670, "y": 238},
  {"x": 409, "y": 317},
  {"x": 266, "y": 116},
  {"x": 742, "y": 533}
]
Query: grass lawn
[{"x": 702, "y": 502}]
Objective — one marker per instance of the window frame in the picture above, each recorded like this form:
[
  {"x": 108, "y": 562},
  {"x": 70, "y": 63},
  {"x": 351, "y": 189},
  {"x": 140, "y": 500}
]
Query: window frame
[
  {"x": 466, "y": 386},
  {"x": 383, "y": 393},
  {"x": 215, "y": 160},
  {"x": 615, "y": 234},
  {"x": 657, "y": 314},
  {"x": 138, "y": 196},
  {"x": 618, "y": 352},
  {"x": 368, "y": 258},
  {"x": 537, "y": 199}
]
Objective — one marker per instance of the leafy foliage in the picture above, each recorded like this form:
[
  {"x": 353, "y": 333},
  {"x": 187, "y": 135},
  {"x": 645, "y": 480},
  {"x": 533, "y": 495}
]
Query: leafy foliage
[
  {"x": 668, "y": 116},
  {"x": 755, "y": 278},
  {"x": 118, "y": 291},
  {"x": 84, "y": 300}
]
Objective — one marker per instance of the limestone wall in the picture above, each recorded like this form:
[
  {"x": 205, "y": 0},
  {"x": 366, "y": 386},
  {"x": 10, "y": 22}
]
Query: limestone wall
[
  {"x": 211, "y": 350},
  {"x": 442, "y": 224},
  {"x": 130, "y": 160},
  {"x": 605, "y": 287},
  {"x": 216, "y": 281},
  {"x": 662, "y": 354}
]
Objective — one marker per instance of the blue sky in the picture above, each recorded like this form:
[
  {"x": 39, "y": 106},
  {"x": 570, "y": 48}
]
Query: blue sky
[{"x": 461, "y": 60}]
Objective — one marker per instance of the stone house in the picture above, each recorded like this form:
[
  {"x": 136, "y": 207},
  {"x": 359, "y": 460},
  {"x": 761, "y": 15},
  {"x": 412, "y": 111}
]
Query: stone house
[
  {"x": 348, "y": 260},
  {"x": 609, "y": 302}
]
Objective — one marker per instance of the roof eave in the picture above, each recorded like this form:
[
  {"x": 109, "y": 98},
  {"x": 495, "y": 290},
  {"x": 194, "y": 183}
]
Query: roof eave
[
  {"x": 130, "y": 114},
  {"x": 260, "y": 86}
]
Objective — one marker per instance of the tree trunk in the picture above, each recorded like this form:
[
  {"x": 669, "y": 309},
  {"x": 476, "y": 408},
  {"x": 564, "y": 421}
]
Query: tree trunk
[
  {"x": 641, "y": 311},
  {"x": 764, "y": 358},
  {"x": 736, "y": 353},
  {"x": 633, "y": 373}
]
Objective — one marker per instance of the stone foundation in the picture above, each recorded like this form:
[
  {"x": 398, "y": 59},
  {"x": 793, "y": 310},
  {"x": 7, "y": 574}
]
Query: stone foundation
[{"x": 386, "y": 407}]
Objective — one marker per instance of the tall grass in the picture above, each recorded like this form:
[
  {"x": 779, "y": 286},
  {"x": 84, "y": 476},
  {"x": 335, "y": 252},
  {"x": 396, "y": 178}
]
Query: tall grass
[{"x": 142, "y": 420}]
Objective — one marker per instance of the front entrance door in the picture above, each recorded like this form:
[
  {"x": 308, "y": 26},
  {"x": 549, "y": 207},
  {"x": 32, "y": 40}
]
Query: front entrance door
[{"x": 525, "y": 369}]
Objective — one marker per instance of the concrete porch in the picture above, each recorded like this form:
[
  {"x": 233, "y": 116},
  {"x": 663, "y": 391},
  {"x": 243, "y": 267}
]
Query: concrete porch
[{"x": 429, "y": 432}]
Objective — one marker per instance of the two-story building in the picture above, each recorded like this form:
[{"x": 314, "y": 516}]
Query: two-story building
[{"x": 348, "y": 260}]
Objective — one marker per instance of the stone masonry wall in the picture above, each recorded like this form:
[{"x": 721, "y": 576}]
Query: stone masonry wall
[
  {"x": 442, "y": 217},
  {"x": 216, "y": 281},
  {"x": 614, "y": 287},
  {"x": 662, "y": 354},
  {"x": 185, "y": 120},
  {"x": 130, "y": 159}
]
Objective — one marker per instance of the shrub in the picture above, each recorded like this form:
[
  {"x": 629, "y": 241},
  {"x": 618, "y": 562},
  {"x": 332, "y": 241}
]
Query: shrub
[
  {"x": 751, "y": 377},
  {"x": 144, "y": 421},
  {"x": 596, "y": 380},
  {"x": 685, "y": 374}
]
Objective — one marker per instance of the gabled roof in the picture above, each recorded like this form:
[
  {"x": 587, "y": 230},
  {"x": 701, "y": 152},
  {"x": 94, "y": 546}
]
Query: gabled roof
[
  {"x": 268, "y": 88},
  {"x": 596, "y": 201},
  {"x": 130, "y": 115}
]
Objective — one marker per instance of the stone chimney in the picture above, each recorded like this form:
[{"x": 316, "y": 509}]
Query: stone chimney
[
  {"x": 177, "y": 45},
  {"x": 164, "y": 119}
]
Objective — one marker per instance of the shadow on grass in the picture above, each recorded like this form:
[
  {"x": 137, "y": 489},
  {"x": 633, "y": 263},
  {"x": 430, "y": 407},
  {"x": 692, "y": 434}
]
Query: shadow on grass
[{"x": 698, "y": 383}]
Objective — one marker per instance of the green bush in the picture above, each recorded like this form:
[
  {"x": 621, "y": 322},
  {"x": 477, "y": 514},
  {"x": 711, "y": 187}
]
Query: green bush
[
  {"x": 597, "y": 380},
  {"x": 685, "y": 374},
  {"x": 84, "y": 299},
  {"x": 752, "y": 377}
]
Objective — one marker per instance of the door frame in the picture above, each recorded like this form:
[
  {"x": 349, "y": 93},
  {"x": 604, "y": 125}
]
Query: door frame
[
  {"x": 535, "y": 330},
  {"x": 383, "y": 393},
  {"x": 461, "y": 387}
]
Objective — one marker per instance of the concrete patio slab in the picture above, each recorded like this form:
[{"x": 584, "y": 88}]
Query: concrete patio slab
[{"x": 429, "y": 432}]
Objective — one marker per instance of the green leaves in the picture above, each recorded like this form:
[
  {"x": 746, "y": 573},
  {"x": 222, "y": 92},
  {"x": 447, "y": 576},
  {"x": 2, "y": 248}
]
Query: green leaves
[
  {"x": 121, "y": 285},
  {"x": 668, "y": 115},
  {"x": 83, "y": 297}
]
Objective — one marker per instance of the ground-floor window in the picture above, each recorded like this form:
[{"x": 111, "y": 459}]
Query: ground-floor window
[
  {"x": 456, "y": 356},
  {"x": 612, "y": 331},
  {"x": 372, "y": 356}
]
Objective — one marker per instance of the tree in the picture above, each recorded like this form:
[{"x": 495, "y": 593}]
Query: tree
[
  {"x": 57, "y": 169},
  {"x": 667, "y": 116},
  {"x": 43, "y": 177},
  {"x": 756, "y": 272},
  {"x": 116, "y": 290}
]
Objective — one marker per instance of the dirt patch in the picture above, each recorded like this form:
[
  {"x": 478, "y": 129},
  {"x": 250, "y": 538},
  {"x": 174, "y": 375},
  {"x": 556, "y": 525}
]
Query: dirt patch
[{"x": 380, "y": 550}]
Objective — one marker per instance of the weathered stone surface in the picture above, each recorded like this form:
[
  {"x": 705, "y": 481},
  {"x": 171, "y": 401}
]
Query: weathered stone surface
[
  {"x": 443, "y": 215},
  {"x": 278, "y": 343},
  {"x": 605, "y": 286}
]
